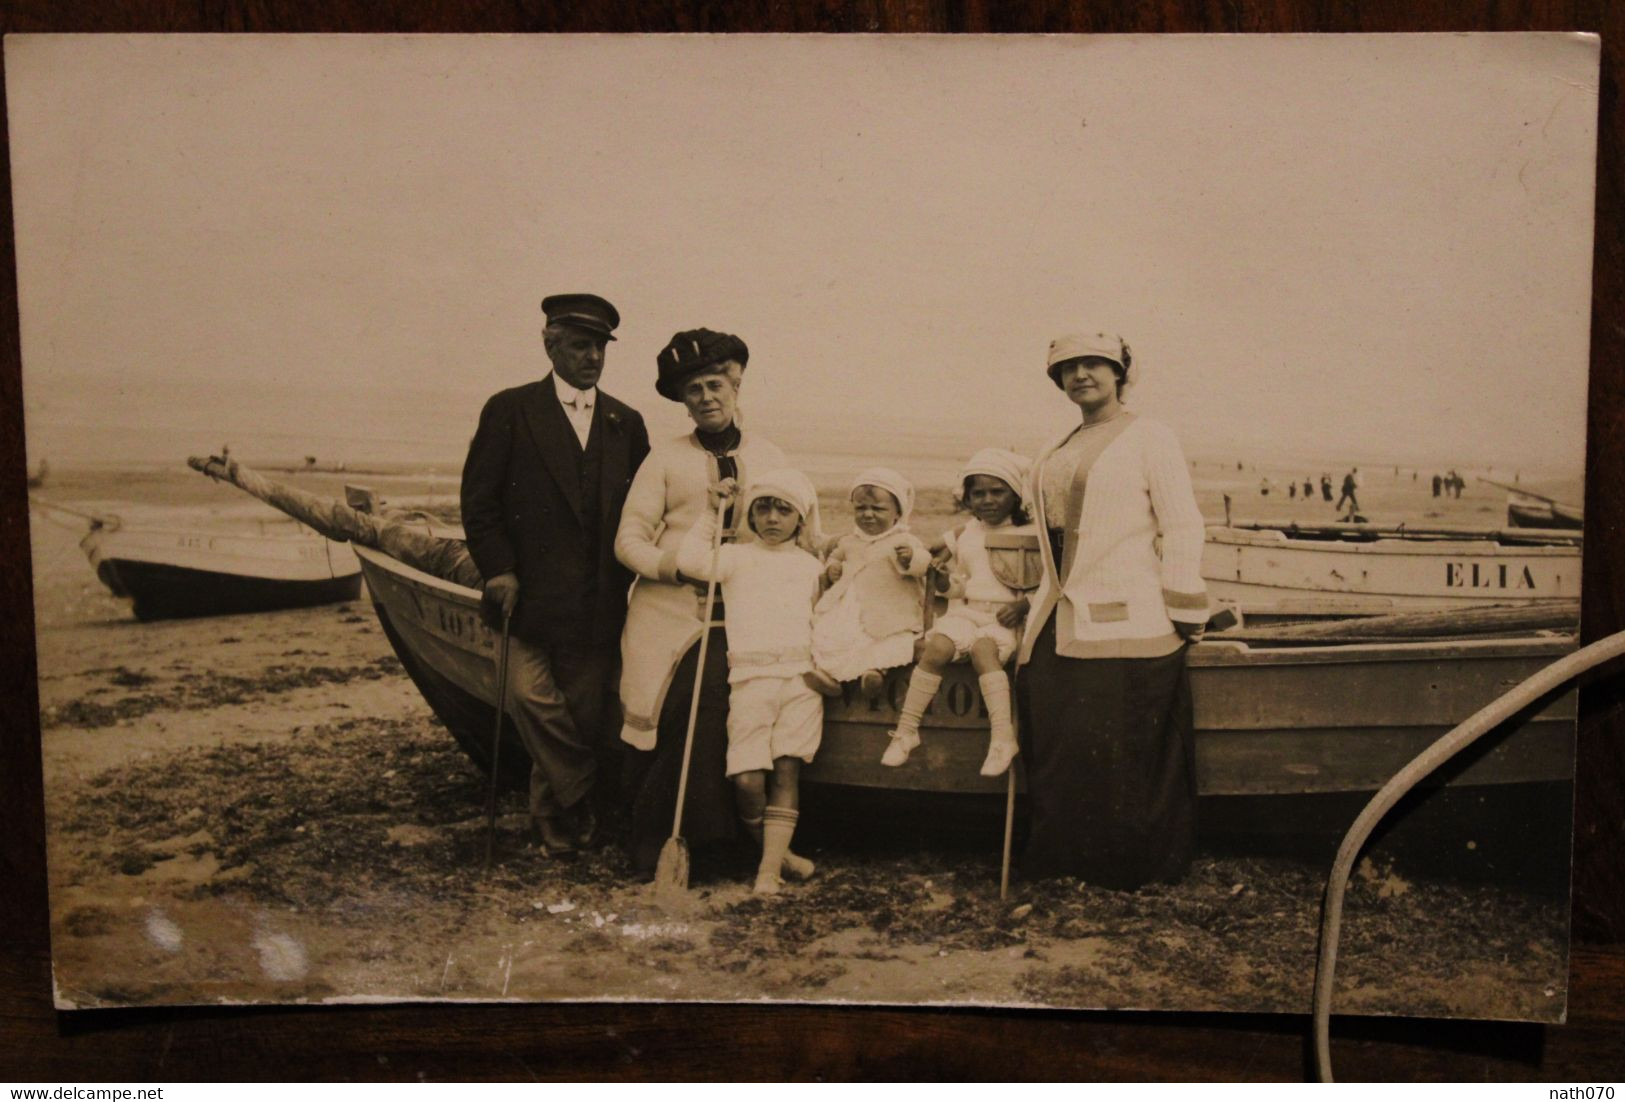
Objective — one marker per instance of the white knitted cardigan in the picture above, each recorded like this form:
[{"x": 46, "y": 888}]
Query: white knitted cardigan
[
  {"x": 667, "y": 498},
  {"x": 1138, "y": 564}
]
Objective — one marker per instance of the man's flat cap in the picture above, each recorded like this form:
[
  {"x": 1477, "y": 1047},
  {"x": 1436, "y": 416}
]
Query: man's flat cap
[{"x": 587, "y": 312}]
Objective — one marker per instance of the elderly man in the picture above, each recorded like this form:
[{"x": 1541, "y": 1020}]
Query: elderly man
[{"x": 542, "y": 490}]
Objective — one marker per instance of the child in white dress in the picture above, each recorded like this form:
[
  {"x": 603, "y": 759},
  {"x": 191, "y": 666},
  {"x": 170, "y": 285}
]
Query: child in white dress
[
  {"x": 993, "y": 563},
  {"x": 869, "y": 618},
  {"x": 775, "y": 720}
]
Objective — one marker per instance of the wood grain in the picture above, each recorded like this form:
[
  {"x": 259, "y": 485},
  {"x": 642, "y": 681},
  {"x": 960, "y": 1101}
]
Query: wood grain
[{"x": 656, "y": 1041}]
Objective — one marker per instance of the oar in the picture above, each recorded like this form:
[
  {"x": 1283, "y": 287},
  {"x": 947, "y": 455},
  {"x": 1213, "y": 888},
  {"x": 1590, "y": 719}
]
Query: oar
[
  {"x": 496, "y": 740},
  {"x": 671, "y": 869}
]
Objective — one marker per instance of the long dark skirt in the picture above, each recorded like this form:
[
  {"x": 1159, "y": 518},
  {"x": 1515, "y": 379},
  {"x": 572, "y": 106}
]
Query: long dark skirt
[
  {"x": 1111, "y": 770},
  {"x": 651, "y": 776}
]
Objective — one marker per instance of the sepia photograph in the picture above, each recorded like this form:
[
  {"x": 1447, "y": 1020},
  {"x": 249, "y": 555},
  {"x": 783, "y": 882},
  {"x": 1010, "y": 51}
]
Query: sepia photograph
[{"x": 822, "y": 519}]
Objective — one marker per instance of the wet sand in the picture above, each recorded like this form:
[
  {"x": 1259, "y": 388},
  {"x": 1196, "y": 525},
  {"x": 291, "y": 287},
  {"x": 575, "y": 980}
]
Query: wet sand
[{"x": 262, "y": 808}]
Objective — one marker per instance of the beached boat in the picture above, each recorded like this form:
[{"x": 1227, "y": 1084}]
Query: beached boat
[
  {"x": 1528, "y": 509},
  {"x": 173, "y": 571},
  {"x": 1291, "y": 571},
  {"x": 1271, "y": 720}
]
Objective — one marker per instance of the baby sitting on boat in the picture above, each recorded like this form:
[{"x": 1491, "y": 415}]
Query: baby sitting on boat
[{"x": 869, "y": 618}]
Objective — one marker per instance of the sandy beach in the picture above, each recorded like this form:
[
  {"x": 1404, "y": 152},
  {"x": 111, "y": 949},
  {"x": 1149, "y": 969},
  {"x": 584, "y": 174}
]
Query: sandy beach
[{"x": 262, "y": 808}]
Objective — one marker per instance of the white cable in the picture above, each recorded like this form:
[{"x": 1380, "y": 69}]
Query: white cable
[{"x": 1463, "y": 735}]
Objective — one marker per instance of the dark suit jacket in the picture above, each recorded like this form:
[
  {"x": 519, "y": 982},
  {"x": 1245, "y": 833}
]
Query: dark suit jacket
[{"x": 522, "y": 512}]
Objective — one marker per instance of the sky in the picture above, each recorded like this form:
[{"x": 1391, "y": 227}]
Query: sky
[{"x": 1372, "y": 247}]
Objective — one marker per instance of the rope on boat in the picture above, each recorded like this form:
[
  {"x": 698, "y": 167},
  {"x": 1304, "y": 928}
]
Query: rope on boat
[
  {"x": 97, "y": 520},
  {"x": 1467, "y": 732}
]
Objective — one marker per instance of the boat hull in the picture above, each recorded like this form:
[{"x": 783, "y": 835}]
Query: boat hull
[
  {"x": 1268, "y": 722},
  {"x": 1270, "y": 573},
  {"x": 178, "y": 573}
]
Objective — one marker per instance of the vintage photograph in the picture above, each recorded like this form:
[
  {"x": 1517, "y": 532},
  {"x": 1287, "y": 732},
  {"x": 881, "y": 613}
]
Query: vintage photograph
[{"x": 907, "y": 519}]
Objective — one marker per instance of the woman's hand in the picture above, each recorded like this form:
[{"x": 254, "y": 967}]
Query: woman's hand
[
  {"x": 1012, "y": 614},
  {"x": 722, "y": 493},
  {"x": 833, "y": 572},
  {"x": 1190, "y": 633}
]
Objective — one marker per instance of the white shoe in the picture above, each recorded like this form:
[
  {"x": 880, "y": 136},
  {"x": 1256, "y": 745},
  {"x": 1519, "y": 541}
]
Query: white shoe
[
  {"x": 902, "y": 744},
  {"x": 766, "y": 884},
  {"x": 999, "y": 757},
  {"x": 797, "y": 867}
]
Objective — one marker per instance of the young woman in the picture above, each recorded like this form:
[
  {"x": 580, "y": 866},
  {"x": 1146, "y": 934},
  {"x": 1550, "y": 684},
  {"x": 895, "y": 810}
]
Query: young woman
[{"x": 1106, "y": 698}]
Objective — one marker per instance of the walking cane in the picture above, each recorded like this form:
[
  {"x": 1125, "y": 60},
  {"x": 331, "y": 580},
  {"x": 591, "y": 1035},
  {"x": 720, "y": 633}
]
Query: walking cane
[
  {"x": 1009, "y": 799},
  {"x": 671, "y": 868},
  {"x": 496, "y": 741}
]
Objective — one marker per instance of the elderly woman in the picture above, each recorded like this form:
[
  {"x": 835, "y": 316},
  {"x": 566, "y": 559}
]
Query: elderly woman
[
  {"x": 1106, "y": 697},
  {"x": 660, "y": 644}
]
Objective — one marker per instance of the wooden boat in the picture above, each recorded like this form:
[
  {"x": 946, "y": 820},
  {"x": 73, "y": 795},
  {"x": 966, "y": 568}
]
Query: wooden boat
[
  {"x": 1292, "y": 571},
  {"x": 178, "y": 571},
  {"x": 1270, "y": 720},
  {"x": 1524, "y": 511},
  {"x": 1528, "y": 509}
]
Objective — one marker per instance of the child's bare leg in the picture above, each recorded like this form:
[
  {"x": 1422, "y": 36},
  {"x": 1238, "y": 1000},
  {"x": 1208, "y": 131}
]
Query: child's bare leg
[
  {"x": 751, "y": 794},
  {"x": 1001, "y": 746},
  {"x": 779, "y": 822},
  {"x": 922, "y": 687}
]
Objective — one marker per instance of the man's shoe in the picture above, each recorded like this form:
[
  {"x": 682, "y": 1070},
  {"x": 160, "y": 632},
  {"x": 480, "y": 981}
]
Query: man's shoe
[
  {"x": 585, "y": 824},
  {"x": 554, "y": 835}
]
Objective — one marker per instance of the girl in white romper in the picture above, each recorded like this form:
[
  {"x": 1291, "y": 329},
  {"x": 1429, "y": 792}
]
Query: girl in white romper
[{"x": 993, "y": 563}]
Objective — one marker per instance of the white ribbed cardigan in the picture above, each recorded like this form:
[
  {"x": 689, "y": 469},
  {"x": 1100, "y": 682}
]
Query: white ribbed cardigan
[
  {"x": 667, "y": 498},
  {"x": 1123, "y": 595}
]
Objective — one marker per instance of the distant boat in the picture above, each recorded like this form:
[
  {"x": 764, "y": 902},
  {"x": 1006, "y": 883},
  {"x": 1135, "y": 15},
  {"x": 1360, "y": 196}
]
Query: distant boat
[
  {"x": 1270, "y": 720},
  {"x": 177, "y": 571},
  {"x": 1524, "y": 511},
  {"x": 1527, "y": 509},
  {"x": 1291, "y": 571}
]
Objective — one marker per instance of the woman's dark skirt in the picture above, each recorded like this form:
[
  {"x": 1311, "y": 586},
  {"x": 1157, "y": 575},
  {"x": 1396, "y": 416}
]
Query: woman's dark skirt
[
  {"x": 1111, "y": 769},
  {"x": 651, "y": 776}
]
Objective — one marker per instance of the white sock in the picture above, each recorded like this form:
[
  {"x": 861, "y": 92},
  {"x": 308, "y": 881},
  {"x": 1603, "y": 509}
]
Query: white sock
[
  {"x": 922, "y": 689},
  {"x": 996, "y": 695},
  {"x": 778, "y": 827}
]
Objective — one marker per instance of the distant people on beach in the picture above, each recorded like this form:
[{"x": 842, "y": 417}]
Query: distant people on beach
[
  {"x": 1351, "y": 486},
  {"x": 1326, "y": 487},
  {"x": 1438, "y": 484},
  {"x": 1308, "y": 488}
]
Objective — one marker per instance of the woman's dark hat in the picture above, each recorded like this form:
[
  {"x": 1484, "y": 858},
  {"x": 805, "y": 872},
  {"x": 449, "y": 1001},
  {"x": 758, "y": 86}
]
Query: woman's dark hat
[
  {"x": 587, "y": 312},
  {"x": 692, "y": 351}
]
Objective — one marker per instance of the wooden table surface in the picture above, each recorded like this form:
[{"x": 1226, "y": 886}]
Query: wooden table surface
[{"x": 669, "y": 1041}]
